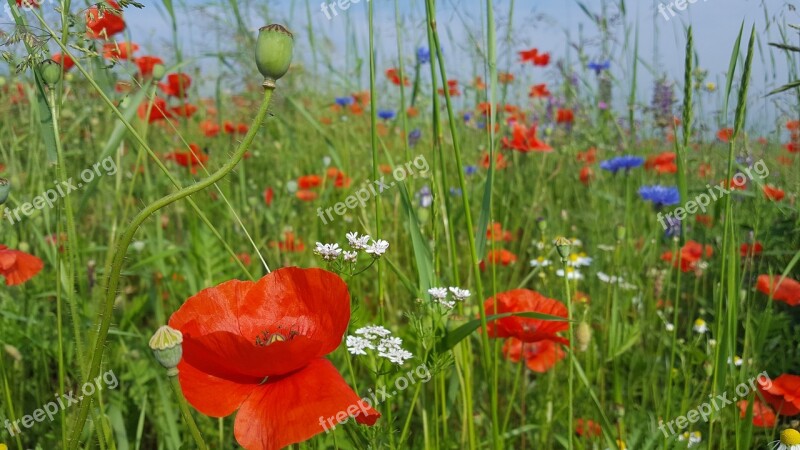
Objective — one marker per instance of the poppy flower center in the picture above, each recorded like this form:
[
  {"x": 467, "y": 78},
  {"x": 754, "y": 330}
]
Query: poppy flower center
[{"x": 267, "y": 338}]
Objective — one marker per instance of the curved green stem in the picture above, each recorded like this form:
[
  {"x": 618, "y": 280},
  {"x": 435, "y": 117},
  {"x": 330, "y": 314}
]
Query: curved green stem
[
  {"x": 127, "y": 237},
  {"x": 187, "y": 413}
]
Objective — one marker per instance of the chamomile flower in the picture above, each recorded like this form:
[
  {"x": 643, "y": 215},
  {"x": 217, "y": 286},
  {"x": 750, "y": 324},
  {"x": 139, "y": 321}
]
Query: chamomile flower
[
  {"x": 579, "y": 260},
  {"x": 692, "y": 438},
  {"x": 540, "y": 262},
  {"x": 328, "y": 252},
  {"x": 358, "y": 242},
  {"x": 790, "y": 440},
  {"x": 700, "y": 326},
  {"x": 377, "y": 248},
  {"x": 571, "y": 274},
  {"x": 736, "y": 361}
]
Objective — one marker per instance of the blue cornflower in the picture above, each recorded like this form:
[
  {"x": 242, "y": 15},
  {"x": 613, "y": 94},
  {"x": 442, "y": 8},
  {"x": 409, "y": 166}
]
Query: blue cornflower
[
  {"x": 344, "y": 101},
  {"x": 386, "y": 114},
  {"x": 613, "y": 165},
  {"x": 598, "y": 66},
  {"x": 413, "y": 137},
  {"x": 673, "y": 225},
  {"x": 423, "y": 55},
  {"x": 660, "y": 195},
  {"x": 470, "y": 170},
  {"x": 424, "y": 197},
  {"x": 467, "y": 116}
]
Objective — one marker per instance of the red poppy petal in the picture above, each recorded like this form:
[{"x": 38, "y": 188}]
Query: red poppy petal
[
  {"x": 210, "y": 310},
  {"x": 25, "y": 267},
  {"x": 295, "y": 408},
  {"x": 214, "y": 396}
]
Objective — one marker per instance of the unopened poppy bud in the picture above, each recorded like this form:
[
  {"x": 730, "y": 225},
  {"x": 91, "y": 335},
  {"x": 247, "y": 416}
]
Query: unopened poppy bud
[
  {"x": 583, "y": 336},
  {"x": 563, "y": 245},
  {"x": 159, "y": 71},
  {"x": 5, "y": 188},
  {"x": 167, "y": 348},
  {"x": 620, "y": 232},
  {"x": 274, "y": 52},
  {"x": 542, "y": 224},
  {"x": 50, "y": 71}
]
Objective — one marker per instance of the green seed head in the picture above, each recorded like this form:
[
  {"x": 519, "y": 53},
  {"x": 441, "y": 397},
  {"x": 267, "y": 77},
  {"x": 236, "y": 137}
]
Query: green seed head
[
  {"x": 159, "y": 71},
  {"x": 563, "y": 245},
  {"x": 274, "y": 52},
  {"x": 5, "y": 188},
  {"x": 50, "y": 71},
  {"x": 166, "y": 346}
]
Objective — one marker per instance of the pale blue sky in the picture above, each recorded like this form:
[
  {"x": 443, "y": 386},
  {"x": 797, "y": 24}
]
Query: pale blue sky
[{"x": 557, "y": 26}]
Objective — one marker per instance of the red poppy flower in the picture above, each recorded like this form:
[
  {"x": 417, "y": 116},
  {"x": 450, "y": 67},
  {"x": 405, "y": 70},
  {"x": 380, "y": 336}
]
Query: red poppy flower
[
  {"x": 505, "y": 77},
  {"x": 495, "y": 232},
  {"x": 479, "y": 84},
  {"x": 793, "y": 125},
  {"x": 185, "y": 110},
  {"x": 750, "y": 250},
  {"x": 119, "y": 50},
  {"x": 705, "y": 220},
  {"x": 269, "y": 195},
  {"x": 394, "y": 76},
  {"x": 499, "y": 161},
  {"x": 735, "y": 184},
  {"x": 67, "y": 62},
  {"x": 704, "y": 170},
  {"x": 786, "y": 290},
  {"x": 244, "y": 258},
  {"x": 773, "y": 193},
  {"x": 452, "y": 89},
  {"x": 28, "y": 3},
  {"x": 539, "y": 90},
  {"x": 158, "y": 110},
  {"x": 104, "y": 24},
  {"x": 502, "y": 257},
  {"x": 18, "y": 267},
  {"x": 782, "y": 393},
  {"x": 340, "y": 180},
  {"x": 589, "y": 156},
  {"x": 242, "y": 128},
  {"x": 309, "y": 181},
  {"x": 525, "y": 329},
  {"x": 525, "y": 140},
  {"x": 565, "y": 116},
  {"x": 792, "y": 147},
  {"x": 763, "y": 416},
  {"x": 306, "y": 195},
  {"x": 662, "y": 163},
  {"x": 209, "y": 128},
  {"x": 588, "y": 428},
  {"x": 259, "y": 348},
  {"x": 690, "y": 254},
  {"x": 177, "y": 84},
  {"x": 146, "y": 64},
  {"x": 586, "y": 175},
  {"x": 189, "y": 158},
  {"x": 533, "y": 56},
  {"x": 725, "y": 134},
  {"x": 539, "y": 356},
  {"x": 412, "y": 112},
  {"x": 290, "y": 243}
]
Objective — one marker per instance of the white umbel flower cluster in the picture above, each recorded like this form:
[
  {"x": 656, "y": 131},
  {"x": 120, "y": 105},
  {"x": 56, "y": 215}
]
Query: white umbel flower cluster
[
  {"x": 332, "y": 253},
  {"x": 376, "y": 337},
  {"x": 439, "y": 295},
  {"x": 328, "y": 252}
]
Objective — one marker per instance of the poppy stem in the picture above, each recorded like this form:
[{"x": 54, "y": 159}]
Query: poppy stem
[
  {"x": 187, "y": 413},
  {"x": 570, "y": 427}
]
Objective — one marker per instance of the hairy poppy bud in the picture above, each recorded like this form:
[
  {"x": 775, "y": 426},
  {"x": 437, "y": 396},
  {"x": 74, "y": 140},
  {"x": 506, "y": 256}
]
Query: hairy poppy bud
[
  {"x": 50, "y": 71},
  {"x": 274, "y": 52},
  {"x": 5, "y": 188},
  {"x": 563, "y": 246},
  {"x": 159, "y": 71},
  {"x": 167, "y": 348},
  {"x": 583, "y": 336},
  {"x": 541, "y": 223}
]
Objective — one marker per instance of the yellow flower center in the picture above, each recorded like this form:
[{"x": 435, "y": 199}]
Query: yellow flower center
[
  {"x": 699, "y": 322},
  {"x": 790, "y": 437}
]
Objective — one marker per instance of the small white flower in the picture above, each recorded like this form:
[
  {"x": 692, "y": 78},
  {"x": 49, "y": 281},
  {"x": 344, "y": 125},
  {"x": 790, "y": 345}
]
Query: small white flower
[
  {"x": 572, "y": 274},
  {"x": 390, "y": 348},
  {"x": 438, "y": 293},
  {"x": 540, "y": 262},
  {"x": 736, "y": 361},
  {"x": 670, "y": 327},
  {"x": 693, "y": 438},
  {"x": 350, "y": 256},
  {"x": 373, "y": 332},
  {"x": 700, "y": 326},
  {"x": 606, "y": 248},
  {"x": 460, "y": 294},
  {"x": 358, "y": 243},
  {"x": 579, "y": 259},
  {"x": 291, "y": 186},
  {"x": 328, "y": 252},
  {"x": 138, "y": 246},
  {"x": 326, "y": 161},
  {"x": 377, "y": 248},
  {"x": 540, "y": 245},
  {"x": 357, "y": 345}
]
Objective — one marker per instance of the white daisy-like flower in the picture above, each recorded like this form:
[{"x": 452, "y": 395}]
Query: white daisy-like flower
[
  {"x": 579, "y": 260},
  {"x": 373, "y": 332},
  {"x": 540, "y": 245},
  {"x": 700, "y": 326},
  {"x": 692, "y": 438},
  {"x": 357, "y": 242},
  {"x": 575, "y": 242},
  {"x": 328, "y": 252},
  {"x": 540, "y": 262},
  {"x": 350, "y": 256},
  {"x": 736, "y": 361},
  {"x": 670, "y": 327},
  {"x": 377, "y": 248},
  {"x": 358, "y": 345},
  {"x": 438, "y": 293},
  {"x": 571, "y": 274},
  {"x": 459, "y": 294},
  {"x": 790, "y": 440}
]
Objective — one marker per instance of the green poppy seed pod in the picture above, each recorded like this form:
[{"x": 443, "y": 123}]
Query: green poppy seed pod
[
  {"x": 50, "y": 71},
  {"x": 274, "y": 52},
  {"x": 159, "y": 71},
  {"x": 620, "y": 232},
  {"x": 5, "y": 188},
  {"x": 542, "y": 224},
  {"x": 167, "y": 348},
  {"x": 583, "y": 336},
  {"x": 563, "y": 245}
]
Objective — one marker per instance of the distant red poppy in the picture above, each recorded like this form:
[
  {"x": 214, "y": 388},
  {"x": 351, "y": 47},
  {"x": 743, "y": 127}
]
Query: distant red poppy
[
  {"x": 735, "y": 183},
  {"x": 184, "y": 110},
  {"x": 68, "y": 62},
  {"x": 309, "y": 181},
  {"x": 189, "y": 158},
  {"x": 242, "y": 128},
  {"x": 525, "y": 140},
  {"x": 505, "y": 78},
  {"x": 29, "y": 3},
  {"x": 495, "y": 232},
  {"x": 104, "y": 24},
  {"x": 269, "y": 195},
  {"x": 587, "y": 428},
  {"x": 452, "y": 89},
  {"x": 209, "y": 128},
  {"x": 704, "y": 170},
  {"x": 394, "y": 76},
  {"x": 588, "y": 157},
  {"x": 586, "y": 175},
  {"x": 662, "y": 163},
  {"x": 306, "y": 195},
  {"x": 725, "y": 134},
  {"x": 565, "y": 116},
  {"x": 523, "y": 328},
  {"x": 158, "y": 110},
  {"x": 412, "y": 112},
  {"x": 119, "y": 50},
  {"x": 793, "y": 125},
  {"x": 539, "y": 90},
  {"x": 244, "y": 258},
  {"x": 18, "y": 267},
  {"x": 479, "y": 84},
  {"x": 259, "y": 348},
  {"x": 763, "y": 416},
  {"x": 783, "y": 290},
  {"x": 750, "y": 250},
  {"x": 290, "y": 243},
  {"x": 500, "y": 161},
  {"x": 146, "y": 64},
  {"x": 773, "y": 193},
  {"x": 690, "y": 254},
  {"x": 533, "y": 56},
  {"x": 340, "y": 179},
  {"x": 782, "y": 393},
  {"x": 539, "y": 356},
  {"x": 499, "y": 256},
  {"x": 177, "y": 85},
  {"x": 704, "y": 220},
  {"x": 792, "y": 147}
]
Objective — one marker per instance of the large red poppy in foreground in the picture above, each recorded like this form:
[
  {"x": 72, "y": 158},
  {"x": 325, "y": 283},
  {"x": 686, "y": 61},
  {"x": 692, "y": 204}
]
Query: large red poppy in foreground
[
  {"x": 782, "y": 289},
  {"x": 259, "y": 348},
  {"x": 783, "y": 394},
  {"x": 526, "y": 329}
]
